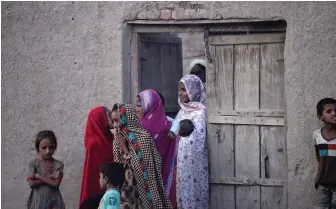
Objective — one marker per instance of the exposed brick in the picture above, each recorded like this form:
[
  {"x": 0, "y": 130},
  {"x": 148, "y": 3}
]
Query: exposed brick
[
  {"x": 174, "y": 15},
  {"x": 148, "y": 15},
  {"x": 170, "y": 6},
  {"x": 190, "y": 13},
  {"x": 165, "y": 14}
]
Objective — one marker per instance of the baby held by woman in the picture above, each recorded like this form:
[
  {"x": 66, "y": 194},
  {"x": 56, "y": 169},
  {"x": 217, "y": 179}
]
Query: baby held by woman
[{"x": 183, "y": 128}]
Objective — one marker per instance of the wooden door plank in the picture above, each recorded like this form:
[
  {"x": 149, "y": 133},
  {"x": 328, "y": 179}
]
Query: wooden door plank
[
  {"x": 221, "y": 137},
  {"x": 246, "y": 77},
  {"x": 272, "y": 197},
  {"x": 251, "y": 181},
  {"x": 254, "y": 113},
  {"x": 169, "y": 76},
  {"x": 265, "y": 113},
  {"x": 272, "y": 152},
  {"x": 178, "y": 71},
  {"x": 150, "y": 64},
  {"x": 247, "y": 39},
  {"x": 272, "y": 164},
  {"x": 224, "y": 112},
  {"x": 222, "y": 196},
  {"x": 247, "y": 197},
  {"x": 267, "y": 121},
  {"x": 272, "y": 138},
  {"x": 220, "y": 78},
  {"x": 221, "y": 153},
  {"x": 246, "y": 94},
  {"x": 222, "y": 150},
  {"x": 247, "y": 150},
  {"x": 272, "y": 77}
]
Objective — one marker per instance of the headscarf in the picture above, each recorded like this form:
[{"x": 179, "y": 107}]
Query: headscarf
[
  {"x": 155, "y": 120},
  {"x": 192, "y": 161},
  {"x": 98, "y": 144},
  {"x": 195, "y": 62},
  {"x": 195, "y": 90},
  {"x": 156, "y": 123},
  {"x": 145, "y": 160}
]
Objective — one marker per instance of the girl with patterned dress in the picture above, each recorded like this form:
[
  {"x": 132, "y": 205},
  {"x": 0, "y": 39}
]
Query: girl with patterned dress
[
  {"x": 134, "y": 147},
  {"x": 45, "y": 174},
  {"x": 192, "y": 158}
]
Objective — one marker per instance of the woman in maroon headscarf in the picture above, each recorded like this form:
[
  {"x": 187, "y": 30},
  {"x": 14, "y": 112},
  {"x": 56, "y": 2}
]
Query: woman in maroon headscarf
[
  {"x": 98, "y": 142},
  {"x": 152, "y": 117}
]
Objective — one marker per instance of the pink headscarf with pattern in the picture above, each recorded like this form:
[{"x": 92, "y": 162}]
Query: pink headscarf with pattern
[{"x": 156, "y": 123}]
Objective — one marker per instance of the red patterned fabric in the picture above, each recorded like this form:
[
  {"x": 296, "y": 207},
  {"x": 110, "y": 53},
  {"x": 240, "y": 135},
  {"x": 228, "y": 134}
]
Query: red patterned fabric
[{"x": 98, "y": 142}]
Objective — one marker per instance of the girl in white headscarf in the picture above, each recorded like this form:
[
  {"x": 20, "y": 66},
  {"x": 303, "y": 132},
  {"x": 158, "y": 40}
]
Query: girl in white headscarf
[{"x": 192, "y": 158}]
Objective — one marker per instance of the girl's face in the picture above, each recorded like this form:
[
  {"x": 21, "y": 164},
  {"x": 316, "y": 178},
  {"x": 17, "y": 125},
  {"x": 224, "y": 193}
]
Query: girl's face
[
  {"x": 46, "y": 149},
  {"x": 329, "y": 114},
  {"x": 115, "y": 119},
  {"x": 138, "y": 108},
  {"x": 183, "y": 94},
  {"x": 102, "y": 181}
]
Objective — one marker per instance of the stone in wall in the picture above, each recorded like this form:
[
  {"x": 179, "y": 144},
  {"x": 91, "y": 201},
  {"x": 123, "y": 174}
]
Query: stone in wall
[
  {"x": 165, "y": 14},
  {"x": 149, "y": 12}
]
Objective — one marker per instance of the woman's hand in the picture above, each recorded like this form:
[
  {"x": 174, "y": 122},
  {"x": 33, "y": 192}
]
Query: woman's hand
[
  {"x": 119, "y": 136},
  {"x": 171, "y": 135},
  {"x": 121, "y": 139},
  {"x": 122, "y": 142}
]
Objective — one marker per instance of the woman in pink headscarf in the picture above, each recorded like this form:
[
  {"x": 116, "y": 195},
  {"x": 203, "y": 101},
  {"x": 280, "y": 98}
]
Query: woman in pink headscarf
[{"x": 151, "y": 114}]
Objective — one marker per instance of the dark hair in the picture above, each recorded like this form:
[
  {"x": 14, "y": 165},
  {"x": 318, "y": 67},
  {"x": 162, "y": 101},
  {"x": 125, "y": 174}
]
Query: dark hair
[
  {"x": 46, "y": 134},
  {"x": 114, "y": 172},
  {"x": 162, "y": 98},
  {"x": 199, "y": 71},
  {"x": 186, "y": 127},
  {"x": 320, "y": 105}
]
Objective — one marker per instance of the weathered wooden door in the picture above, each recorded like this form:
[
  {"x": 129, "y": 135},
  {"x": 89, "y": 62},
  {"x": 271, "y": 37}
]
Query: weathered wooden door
[
  {"x": 246, "y": 134},
  {"x": 161, "y": 66}
]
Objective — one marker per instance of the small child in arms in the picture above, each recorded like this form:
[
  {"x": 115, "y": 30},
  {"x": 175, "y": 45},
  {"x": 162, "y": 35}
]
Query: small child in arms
[
  {"x": 186, "y": 128},
  {"x": 325, "y": 147},
  {"x": 112, "y": 177}
]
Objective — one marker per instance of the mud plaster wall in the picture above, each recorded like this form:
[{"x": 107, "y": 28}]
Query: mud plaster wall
[{"x": 60, "y": 59}]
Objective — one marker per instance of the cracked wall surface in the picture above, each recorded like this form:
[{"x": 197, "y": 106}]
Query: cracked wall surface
[{"x": 60, "y": 59}]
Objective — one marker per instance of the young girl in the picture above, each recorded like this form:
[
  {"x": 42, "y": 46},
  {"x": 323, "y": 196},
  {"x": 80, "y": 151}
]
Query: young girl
[
  {"x": 112, "y": 177},
  {"x": 45, "y": 174}
]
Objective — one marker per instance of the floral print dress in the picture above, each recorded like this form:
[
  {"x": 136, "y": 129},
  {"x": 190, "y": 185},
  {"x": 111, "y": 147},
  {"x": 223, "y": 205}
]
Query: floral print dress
[{"x": 192, "y": 157}]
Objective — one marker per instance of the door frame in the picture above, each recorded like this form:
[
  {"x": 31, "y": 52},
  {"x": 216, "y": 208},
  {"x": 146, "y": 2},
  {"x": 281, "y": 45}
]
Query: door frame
[
  {"x": 215, "y": 26},
  {"x": 134, "y": 59}
]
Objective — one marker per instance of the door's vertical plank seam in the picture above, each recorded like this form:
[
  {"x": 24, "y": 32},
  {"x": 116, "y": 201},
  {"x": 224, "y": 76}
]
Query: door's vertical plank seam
[{"x": 234, "y": 126}]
